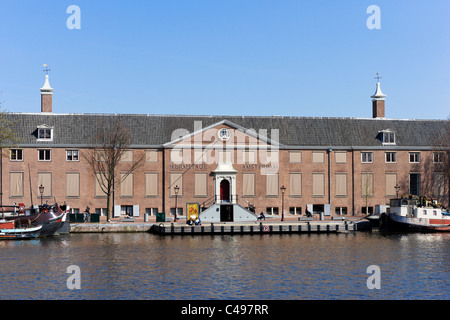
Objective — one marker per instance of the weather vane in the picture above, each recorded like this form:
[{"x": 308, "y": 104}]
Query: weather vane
[
  {"x": 378, "y": 77},
  {"x": 46, "y": 70}
]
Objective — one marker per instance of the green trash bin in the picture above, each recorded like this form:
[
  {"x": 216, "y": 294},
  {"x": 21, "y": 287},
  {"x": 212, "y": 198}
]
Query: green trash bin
[
  {"x": 72, "y": 217},
  {"x": 95, "y": 217},
  {"x": 80, "y": 217},
  {"x": 160, "y": 217}
]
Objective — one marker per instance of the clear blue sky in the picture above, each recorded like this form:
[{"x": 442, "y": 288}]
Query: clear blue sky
[{"x": 314, "y": 58}]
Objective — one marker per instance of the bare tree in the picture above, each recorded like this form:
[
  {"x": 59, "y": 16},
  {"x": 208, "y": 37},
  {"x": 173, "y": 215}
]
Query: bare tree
[
  {"x": 111, "y": 143},
  {"x": 441, "y": 161}
]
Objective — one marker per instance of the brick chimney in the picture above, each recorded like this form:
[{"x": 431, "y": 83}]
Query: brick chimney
[
  {"x": 46, "y": 97},
  {"x": 378, "y": 105}
]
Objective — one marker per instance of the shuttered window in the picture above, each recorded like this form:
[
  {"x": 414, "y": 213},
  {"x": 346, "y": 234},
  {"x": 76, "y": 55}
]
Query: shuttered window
[
  {"x": 341, "y": 184},
  {"x": 272, "y": 184},
  {"x": 200, "y": 184},
  {"x": 45, "y": 179},
  {"x": 176, "y": 179},
  {"x": 151, "y": 184},
  {"x": 318, "y": 184},
  {"x": 16, "y": 184},
  {"x": 248, "y": 184},
  {"x": 367, "y": 184},
  {"x": 391, "y": 182},
  {"x": 318, "y": 157},
  {"x": 295, "y": 184},
  {"x": 126, "y": 185},
  {"x": 72, "y": 185}
]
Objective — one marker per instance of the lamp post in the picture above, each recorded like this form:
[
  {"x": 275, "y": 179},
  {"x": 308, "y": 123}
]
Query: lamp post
[
  {"x": 41, "y": 191},
  {"x": 397, "y": 187},
  {"x": 176, "y": 189},
  {"x": 283, "y": 190}
]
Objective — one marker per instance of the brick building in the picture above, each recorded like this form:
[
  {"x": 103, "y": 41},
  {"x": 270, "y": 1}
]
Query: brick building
[{"x": 340, "y": 166}]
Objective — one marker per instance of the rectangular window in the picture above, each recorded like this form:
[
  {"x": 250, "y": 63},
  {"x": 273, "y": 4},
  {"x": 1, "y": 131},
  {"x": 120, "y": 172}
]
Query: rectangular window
[
  {"x": 271, "y": 210},
  {"x": 295, "y": 184},
  {"x": 318, "y": 184},
  {"x": 295, "y": 156},
  {"x": 126, "y": 185},
  {"x": 250, "y": 156},
  {"x": 414, "y": 157},
  {"x": 391, "y": 157},
  {"x": 176, "y": 179},
  {"x": 200, "y": 184},
  {"x": 414, "y": 184},
  {"x": 127, "y": 156},
  {"x": 151, "y": 211},
  {"x": 438, "y": 157},
  {"x": 72, "y": 155},
  {"x": 272, "y": 184},
  {"x": 341, "y": 156},
  {"x": 99, "y": 178},
  {"x": 72, "y": 185},
  {"x": 295, "y": 210},
  {"x": 318, "y": 157},
  {"x": 340, "y": 210},
  {"x": 391, "y": 182},
  {"x": 16, "y": 155},
  {"x": 367, "y": 184},
  {"x": 248, "y": 184},
  {"x": 45, "y": 134},
  {"x": 45, "y": 155},
  {"x": 151, "y": 184},
  {"x": 151, "y": 156},
  {"x": 367, "y": 210},
  {"x": 16, "y": 184},
  {"x": 366, "y": 157},
  {"x": 388, "y": 138},
  {"x": 179, "y": 211},
  {"x": 341, "y": 184},
  {"x": 45, "y": 179}
]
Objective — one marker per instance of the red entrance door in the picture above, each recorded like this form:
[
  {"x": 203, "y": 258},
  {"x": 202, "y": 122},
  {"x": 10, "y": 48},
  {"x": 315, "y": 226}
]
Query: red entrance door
[{"x": 225, "y": 190}]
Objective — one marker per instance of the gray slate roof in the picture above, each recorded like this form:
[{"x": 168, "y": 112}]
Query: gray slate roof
[{"x": 156, "y": 130}]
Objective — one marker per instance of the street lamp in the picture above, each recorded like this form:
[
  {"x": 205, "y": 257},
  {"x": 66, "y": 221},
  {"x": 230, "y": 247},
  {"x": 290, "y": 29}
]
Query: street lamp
[
  {"x": 397, "y": 187},
  {"x": 283, "y": 190},
  {"x": 176, "y": 189},
  {"x": 41, "y": 191}
]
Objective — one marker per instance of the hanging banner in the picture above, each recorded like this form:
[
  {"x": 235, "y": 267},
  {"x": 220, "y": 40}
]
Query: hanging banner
[{"x": 193, "y": 211}]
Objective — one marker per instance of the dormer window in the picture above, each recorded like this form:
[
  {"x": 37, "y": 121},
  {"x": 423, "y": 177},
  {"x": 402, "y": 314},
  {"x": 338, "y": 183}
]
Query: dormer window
[
  {"x": 387, "y": 137},
  {"x": 45, "y": 133}
]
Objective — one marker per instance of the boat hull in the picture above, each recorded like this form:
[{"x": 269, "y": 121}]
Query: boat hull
[
  {"x": 52, "y": 221},
  {"x": 401, "y": 223},
  {"x": 20, "y": 234}
]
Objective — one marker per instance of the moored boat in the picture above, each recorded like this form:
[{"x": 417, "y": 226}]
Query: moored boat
[
  {"x": 408, "y": 215},
  {"x": 9, "y": 231},
  {"x": 50, "y": 217}
]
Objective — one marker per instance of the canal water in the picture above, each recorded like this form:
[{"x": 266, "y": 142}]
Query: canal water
[{"x": 227, "y": 267}]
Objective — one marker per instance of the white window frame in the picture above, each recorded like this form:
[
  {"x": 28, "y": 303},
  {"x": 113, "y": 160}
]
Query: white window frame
[
  {"x": 16, "y": 155},
  {"x": 44, "y": 129},
  {"x": 390, "y": 160},
  {"x": 72, "y": 155},
  {"x": 50, "y": 155},
  {"x": 416, "y": 157},
  {"x": 386, "y": 138},
  {"x": 366, "y": 153}
]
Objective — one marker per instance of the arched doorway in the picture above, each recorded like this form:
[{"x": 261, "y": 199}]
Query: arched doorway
[{"x": 225, "y": 190}]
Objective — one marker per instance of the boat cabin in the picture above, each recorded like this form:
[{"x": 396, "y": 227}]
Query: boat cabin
[{"x": 410, "y": 208}]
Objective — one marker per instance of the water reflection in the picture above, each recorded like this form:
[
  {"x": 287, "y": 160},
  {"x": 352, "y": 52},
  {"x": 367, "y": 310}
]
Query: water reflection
[{"x": 145, "y": 266}]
